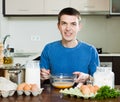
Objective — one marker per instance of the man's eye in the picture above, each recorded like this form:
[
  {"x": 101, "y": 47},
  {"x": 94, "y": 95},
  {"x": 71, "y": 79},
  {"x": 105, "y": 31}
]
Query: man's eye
[
  {"x": 63, "y": 23},
  {"x": 74, "y": 24}
]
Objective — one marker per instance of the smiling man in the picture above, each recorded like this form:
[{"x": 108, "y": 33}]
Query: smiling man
[{"x": 68, "y": 55}]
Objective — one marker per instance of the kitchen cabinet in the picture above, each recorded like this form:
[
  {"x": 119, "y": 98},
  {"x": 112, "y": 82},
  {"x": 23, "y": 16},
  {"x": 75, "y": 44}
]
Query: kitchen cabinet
[
  {"x": 1, "y": 7},
  {"x": 87, "y": 6},
  {"x": 23, "y": 7},
  {"x": 116, "y": 69},
  {"x": 114, "y": 7},
  {"x": 52, "y": 7},
  {"x": 83, "y": 6},
  {"x": 115, "y": 66}
]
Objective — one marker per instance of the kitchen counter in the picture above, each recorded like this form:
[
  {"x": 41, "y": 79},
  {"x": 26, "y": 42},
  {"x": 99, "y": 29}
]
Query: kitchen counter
[
  {"x": 23, "y": 57},
  {"x": 51, "y": 94},
  {"x": 109, "y": 54}
]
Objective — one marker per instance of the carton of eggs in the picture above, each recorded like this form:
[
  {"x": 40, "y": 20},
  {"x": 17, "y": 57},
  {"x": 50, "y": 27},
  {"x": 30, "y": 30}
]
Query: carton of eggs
[
  {"x": 28, "y": 89},
  {"x": 7, "y": 93},
  {"x": 7, "y": 87}
]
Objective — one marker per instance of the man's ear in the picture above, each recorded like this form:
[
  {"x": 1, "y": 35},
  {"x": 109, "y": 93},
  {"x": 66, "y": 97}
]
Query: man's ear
[{"x": 58, "y": 25}]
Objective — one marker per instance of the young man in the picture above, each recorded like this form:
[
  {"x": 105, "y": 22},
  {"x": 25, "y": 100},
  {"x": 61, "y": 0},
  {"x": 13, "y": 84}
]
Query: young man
[{"x": 69, "y": 55}]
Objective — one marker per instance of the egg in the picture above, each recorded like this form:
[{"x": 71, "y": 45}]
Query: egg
[
  {"x": 27, "y": 87},
  {"x": 88, "y": 89},
  {"x": 85, "y": 90},
  {"x": 91, "y": 87},
  {"x": 96, "y": 88},
  {"x": 34, "y": 87},
  {"x": 21, "y": 86}
]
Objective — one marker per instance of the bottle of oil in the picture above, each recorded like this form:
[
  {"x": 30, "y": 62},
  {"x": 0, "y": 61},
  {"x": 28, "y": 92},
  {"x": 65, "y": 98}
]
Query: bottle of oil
[{"x": 8, "y": 57}]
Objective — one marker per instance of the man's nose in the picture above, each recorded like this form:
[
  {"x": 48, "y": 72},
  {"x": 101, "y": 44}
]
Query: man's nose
[{"x": 68, "y": 27}]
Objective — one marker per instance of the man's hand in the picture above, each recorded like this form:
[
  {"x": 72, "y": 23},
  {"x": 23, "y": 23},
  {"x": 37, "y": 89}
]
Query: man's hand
[
  {"x": 45, "y": 74},
  {"x": 81, "y": 77}
]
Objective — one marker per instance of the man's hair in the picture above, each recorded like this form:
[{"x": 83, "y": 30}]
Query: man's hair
[{"x": 69, "y": 11}]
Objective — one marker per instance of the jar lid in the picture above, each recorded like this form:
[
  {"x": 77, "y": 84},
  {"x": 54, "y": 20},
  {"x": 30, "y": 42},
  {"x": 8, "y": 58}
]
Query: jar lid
[{"x": 104, "y": 69}]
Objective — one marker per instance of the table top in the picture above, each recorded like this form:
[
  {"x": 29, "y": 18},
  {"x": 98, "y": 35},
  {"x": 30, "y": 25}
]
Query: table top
[{"x": 51, "y": 94}]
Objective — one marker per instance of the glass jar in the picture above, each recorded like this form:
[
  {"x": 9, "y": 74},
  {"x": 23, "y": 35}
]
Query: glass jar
[
  {"x": 32, "y": 73},
  {"x": 8, "y": 57},
  {"x": 104, "y": 76}
]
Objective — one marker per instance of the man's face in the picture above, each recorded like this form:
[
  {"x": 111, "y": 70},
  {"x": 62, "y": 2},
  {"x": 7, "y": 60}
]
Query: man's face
[{"x": 69, "y": 26}]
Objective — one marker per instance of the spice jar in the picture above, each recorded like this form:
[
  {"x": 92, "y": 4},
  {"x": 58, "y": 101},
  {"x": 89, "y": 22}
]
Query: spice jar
[{"x": 104, "y": 76}]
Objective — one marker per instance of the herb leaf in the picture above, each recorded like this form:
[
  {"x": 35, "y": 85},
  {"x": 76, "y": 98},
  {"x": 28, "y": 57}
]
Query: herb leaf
[{"x": 106, "y": 92}]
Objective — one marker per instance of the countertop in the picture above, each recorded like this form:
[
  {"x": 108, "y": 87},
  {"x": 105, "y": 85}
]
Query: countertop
[
  {"x": 51, "y": 94},
  {"x": 35, "y": 55},
  {"x": 110, "y": 54},
  {"x": 23, "y": 57}
]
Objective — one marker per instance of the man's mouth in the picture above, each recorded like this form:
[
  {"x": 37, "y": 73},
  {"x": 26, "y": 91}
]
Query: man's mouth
[{"x": 68, "y": 34}]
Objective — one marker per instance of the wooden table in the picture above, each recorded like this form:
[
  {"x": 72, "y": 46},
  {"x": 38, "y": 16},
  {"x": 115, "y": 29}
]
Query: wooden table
[{"x": 51, "y": 94}]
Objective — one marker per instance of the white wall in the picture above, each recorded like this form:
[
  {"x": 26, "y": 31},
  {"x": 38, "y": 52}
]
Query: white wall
[
  {"x": 102, "y": 32},
  {"x": 23, "y": 29},
  {"x": 97, "y": 30}
]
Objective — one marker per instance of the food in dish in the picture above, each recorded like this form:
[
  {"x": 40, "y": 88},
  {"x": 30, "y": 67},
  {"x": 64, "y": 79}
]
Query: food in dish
[
  {"x": 62, "y": 80},
  {"x": 62, "y": 84}
]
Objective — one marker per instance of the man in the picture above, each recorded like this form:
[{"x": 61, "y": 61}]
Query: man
[{"x": 69, "y": 55}]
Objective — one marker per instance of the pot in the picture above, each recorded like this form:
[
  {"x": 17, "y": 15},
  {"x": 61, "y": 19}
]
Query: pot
[{"x": 15, "y": 73}]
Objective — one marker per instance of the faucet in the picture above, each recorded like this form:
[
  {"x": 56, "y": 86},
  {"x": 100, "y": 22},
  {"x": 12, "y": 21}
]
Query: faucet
[
  {"x": 4, "y": 44},
  {"x": 5, "y": 38}
]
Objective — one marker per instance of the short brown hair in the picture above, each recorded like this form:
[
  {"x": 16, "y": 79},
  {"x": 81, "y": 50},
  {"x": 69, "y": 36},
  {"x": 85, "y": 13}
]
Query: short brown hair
[{"x": 69, "y": 11}]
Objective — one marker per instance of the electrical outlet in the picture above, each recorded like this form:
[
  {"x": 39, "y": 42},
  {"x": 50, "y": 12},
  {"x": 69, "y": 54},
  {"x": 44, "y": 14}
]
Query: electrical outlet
[{"x": 35, "y": 37}]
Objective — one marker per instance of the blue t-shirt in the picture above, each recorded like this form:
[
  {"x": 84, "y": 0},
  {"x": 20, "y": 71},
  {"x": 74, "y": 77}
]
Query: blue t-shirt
[{"x": 59, "y": 59}]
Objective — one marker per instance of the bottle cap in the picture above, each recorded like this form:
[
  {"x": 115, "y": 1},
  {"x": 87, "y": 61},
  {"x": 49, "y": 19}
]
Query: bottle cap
[{"x": 11, "y": 49}]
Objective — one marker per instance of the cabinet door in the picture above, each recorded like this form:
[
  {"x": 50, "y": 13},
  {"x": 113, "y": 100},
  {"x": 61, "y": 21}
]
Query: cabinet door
[
  {"x": 54, "y": 6},
  {"x": 90, "y": 5},
  {"x": 23, "y": 7},
  {"x": 106, "y": 58},
  {"x": 115, "y": 66},
  {"x": 116, "y": 69}
]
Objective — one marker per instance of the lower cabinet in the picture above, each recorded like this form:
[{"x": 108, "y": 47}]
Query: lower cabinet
[
  {"x": 116, "y": 69},
  {"x": 115, "y": 66}
]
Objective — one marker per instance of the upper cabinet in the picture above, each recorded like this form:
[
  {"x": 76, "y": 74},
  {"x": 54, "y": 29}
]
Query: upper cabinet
[
  {"x": 115, "y": 7},
  {"x": 23, "y": 7},
  {"x": 91, "y": 6},
  {"x": 52, "y": 7}
]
